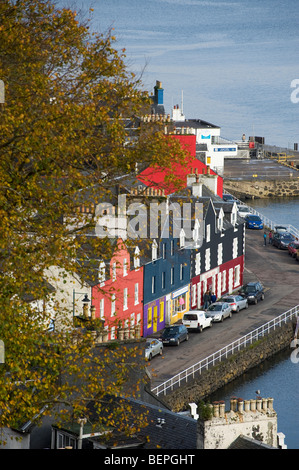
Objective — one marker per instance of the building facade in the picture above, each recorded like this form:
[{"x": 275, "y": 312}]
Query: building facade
[{"x": 118, "y": 296}]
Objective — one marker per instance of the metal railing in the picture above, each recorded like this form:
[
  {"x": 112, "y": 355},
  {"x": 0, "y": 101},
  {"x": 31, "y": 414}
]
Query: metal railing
[
  {"x": 222, "y": 354},
  {"x": 270, "y": 223}
]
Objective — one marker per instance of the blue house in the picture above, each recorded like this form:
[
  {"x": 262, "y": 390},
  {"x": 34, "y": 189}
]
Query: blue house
[{"x": 166, "y": 291}]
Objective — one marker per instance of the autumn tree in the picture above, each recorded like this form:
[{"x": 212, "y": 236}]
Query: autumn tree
[{"x": 68, "y": 92}]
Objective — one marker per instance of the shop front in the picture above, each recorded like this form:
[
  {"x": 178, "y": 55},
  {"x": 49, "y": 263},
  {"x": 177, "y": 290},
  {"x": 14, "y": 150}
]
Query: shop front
[
  {"x": 180, "y": 303},
  {"x": 154, "y": 316}
]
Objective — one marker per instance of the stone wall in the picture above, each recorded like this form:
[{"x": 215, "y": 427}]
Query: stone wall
[
  {"x": 253, "y": 418},
  {"x": 224, "y": 372},
  {"x": 263, "y": 189}
]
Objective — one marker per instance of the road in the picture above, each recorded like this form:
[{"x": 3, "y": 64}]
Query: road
[{"x": 279, "y": 274}]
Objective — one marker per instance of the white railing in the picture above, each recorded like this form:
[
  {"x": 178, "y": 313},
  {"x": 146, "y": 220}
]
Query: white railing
[{"x": 210, "y": 361}]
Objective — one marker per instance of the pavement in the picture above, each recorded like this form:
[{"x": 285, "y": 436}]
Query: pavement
[{"x": 266, "y": 169}]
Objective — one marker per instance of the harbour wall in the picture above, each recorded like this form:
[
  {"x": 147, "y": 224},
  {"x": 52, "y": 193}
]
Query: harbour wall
[
  {"x": 257, "y": 188},
  {"x": 226, "y": 371}
]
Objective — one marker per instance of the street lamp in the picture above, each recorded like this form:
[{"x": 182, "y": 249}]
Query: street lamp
[{"x": 84, "y": 301}]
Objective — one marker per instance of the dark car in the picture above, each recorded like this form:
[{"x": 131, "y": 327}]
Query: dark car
[
  {"x": 228, "y": 198},
  {"x": 174, "y": 335},
  {"x": 282, "y": 240},
  {"x": 253, "y": 291},
  {"x": 254, "y": 221}
]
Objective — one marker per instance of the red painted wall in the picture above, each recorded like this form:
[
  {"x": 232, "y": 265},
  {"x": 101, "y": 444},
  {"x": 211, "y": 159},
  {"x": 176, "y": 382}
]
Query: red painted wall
[
  {"x": 156, "y": 176},
  {"x": 225, "y": 289}
]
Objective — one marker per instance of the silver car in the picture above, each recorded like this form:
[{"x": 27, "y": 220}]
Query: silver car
[
  {"x": 218, "y": 311},
  {"x": 153, "y": 347},
  {"x": 236, "y": 302}
]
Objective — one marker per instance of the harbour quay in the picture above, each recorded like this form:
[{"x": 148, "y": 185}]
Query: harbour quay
[{"x": 260, "y": 178}]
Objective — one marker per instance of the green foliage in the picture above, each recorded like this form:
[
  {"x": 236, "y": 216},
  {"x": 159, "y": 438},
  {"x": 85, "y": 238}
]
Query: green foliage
[{"x": 61, "y": 135}]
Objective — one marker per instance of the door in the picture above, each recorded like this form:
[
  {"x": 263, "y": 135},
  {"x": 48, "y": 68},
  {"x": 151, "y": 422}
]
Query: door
[{"x": 155, "y": 319}]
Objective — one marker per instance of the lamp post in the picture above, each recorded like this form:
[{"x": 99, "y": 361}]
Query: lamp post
[
  {"x": 85, "y": 300},
  {"x": 2, "y": 92}
]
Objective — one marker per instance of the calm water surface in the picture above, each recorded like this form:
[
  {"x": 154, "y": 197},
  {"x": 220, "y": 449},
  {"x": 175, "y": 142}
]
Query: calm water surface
[
  {"x": 233, "y": 60},
  {"x": 280, "y": 210},
  {"x": 277, "y": 378}
]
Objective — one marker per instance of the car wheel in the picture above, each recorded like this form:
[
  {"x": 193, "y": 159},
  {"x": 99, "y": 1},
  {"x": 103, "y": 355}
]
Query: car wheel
[
  {"x": 211, "y": 324},
  {"x": 150, "y": 357},
  {"x": 263, "y": 296},
  {"x": 230, "y": 314},
  {"x": 187, "y": 337},
  {"x": 255, "y": 301},
  {"x": 178, "y": 342},
  {"x": 161, "y": 352},
  {"x": 238, "y": 309},
  {"x": 199, "y": 329},
  {"x": 246, "y": 305},
  {"x": 221, "y": 319}
]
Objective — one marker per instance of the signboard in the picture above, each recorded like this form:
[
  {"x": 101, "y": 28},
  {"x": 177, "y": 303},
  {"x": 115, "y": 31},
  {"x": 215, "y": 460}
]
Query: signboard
[{"x": 225, "y": 149}]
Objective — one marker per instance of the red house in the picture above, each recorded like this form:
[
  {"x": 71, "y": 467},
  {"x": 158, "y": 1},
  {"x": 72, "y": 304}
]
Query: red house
[
  {"x": 118, "y": 297},
  {"x": 155, "y": 176}
]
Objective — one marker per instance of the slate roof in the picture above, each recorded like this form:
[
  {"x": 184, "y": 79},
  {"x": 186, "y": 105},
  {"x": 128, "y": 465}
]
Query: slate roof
[
  {"x": 244, "y": 442},
  {"x": 165, "y": 429},
  {"x": 196, "y": 124}
]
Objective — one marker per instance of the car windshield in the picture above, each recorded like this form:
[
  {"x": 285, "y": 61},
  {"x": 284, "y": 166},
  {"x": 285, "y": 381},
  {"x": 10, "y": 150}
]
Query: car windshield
[
  {"x": 170, "y": 332},
  {"x": 148, "y": 344},
  {"x": 215, "y": 307},
  {"x": 190, "y": 316},
  {"x": 250, "y": 289},
  {"x": 286, "y": 237}
]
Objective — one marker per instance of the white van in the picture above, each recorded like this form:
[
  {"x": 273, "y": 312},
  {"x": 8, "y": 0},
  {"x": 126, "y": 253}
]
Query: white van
[{"x": 196, "y": 320}]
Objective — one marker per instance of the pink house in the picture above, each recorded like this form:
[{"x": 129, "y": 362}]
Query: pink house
[{"x": 118, "y": 297}]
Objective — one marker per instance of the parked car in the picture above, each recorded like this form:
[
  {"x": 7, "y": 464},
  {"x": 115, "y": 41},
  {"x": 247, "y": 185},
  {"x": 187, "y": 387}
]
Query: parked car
[
  {"x": 218, "y": 311},
  {"x": 153, "y": 347},
  {"x": 297, "y": 255},
  {"x": 292, "y": 248},
  {"x": 282, "y": 240},
  {"x": 280, "y": 228},
  {"x": 236, "y": 302},
  {"x": 243, "y": 211},
  {"x": 174, "y": 335},
  {"x": 196, "y": 320},
  {"x": 254, "y": 221},
  {"x": 253, "y": 292},
  {"x": 228, "y": 198}
]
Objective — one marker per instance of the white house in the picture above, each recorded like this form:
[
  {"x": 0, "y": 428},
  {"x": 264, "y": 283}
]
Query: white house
[{"x": 211, "y": 148}]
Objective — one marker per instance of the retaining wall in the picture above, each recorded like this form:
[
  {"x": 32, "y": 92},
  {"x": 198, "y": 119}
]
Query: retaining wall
[
  {"x": 263, "y": 189},
  {"x": 224, "y": 372}
]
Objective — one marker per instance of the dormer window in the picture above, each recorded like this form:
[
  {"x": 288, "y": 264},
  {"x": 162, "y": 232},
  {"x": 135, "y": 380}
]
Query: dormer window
[
  {"x": 220, "y": 222},
  {"x": 102, "y": 272},
  {"x": 154, "y": 250},
  {"x": 125, "y": 267},
  {"x": 137, "y": 258},
  {"x": 233, "y": 217},
  {"x": 182, "y": 238}
]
